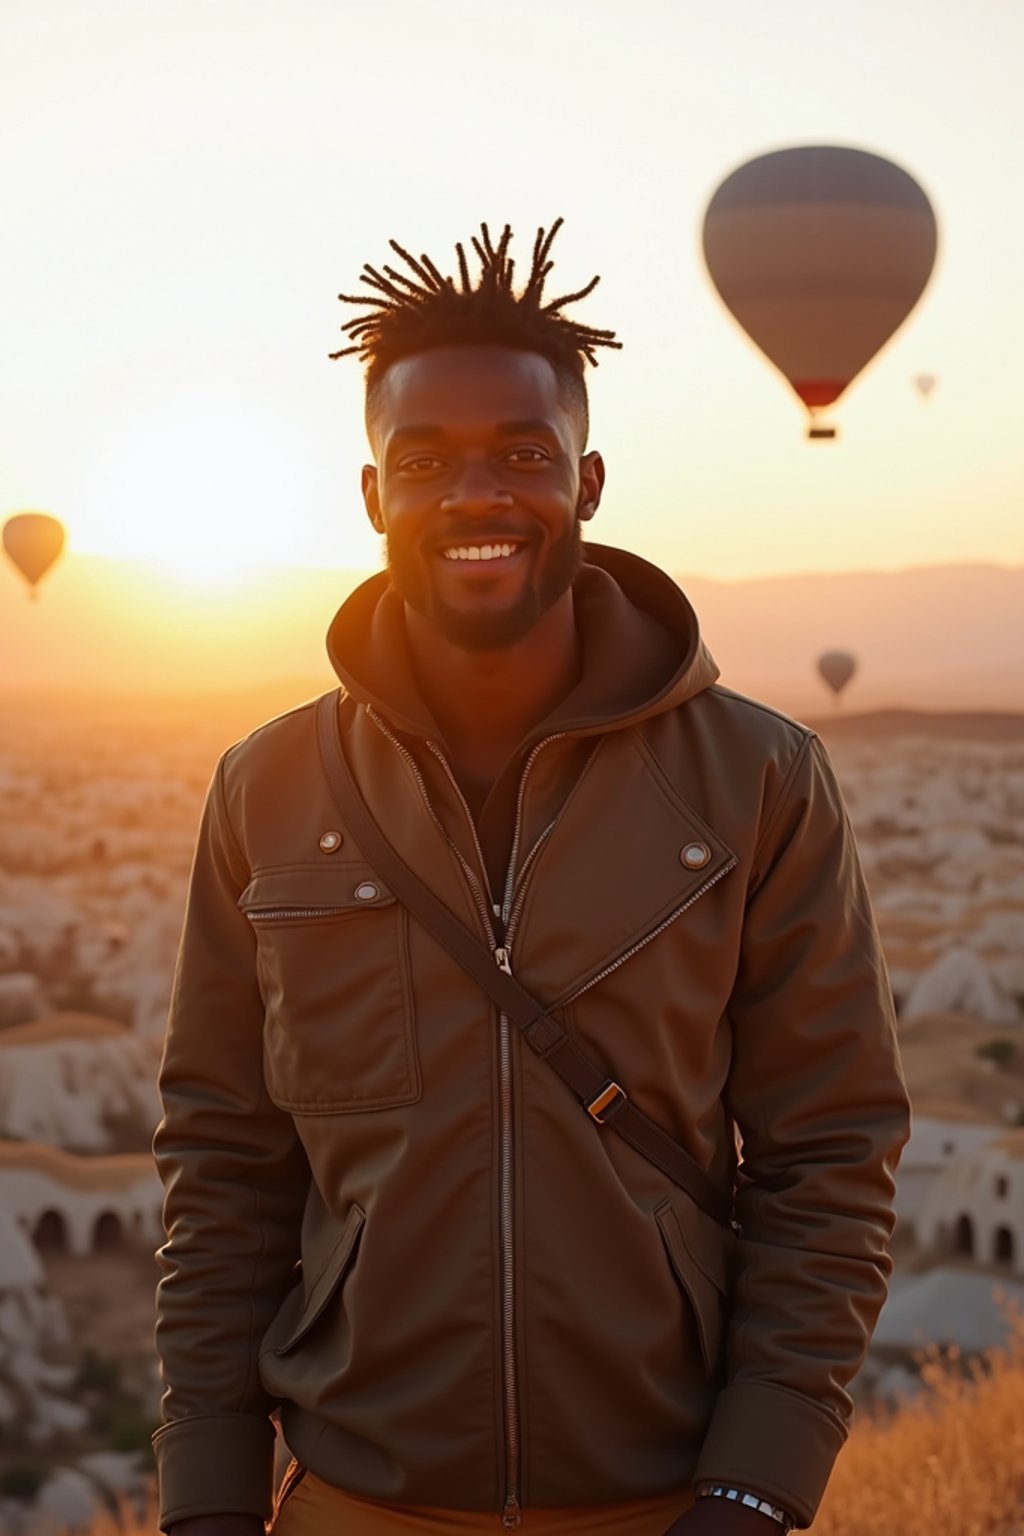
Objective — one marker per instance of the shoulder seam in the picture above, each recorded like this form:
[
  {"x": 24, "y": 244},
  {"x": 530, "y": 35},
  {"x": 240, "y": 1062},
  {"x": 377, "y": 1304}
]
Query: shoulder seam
[
  {"x": 236, "y": 747},
  {"x": 765, "y": 709},
  {"x": 287, "y": 714},
  {"x": 784, "y": 792},
  {"x": 222, "y": 795}
]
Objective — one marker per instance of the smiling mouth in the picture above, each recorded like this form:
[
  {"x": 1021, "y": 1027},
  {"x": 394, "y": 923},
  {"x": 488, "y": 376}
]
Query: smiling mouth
[{"x": 502, "y": 551}]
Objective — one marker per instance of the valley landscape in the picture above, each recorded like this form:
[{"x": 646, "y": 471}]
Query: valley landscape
[
  {"x": 794, "y": 222},
  {"x": 99, "y": 801},
  {"x": 929, "y": 638}
]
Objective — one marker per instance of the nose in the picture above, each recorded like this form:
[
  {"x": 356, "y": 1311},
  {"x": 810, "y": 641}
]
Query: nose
[{"x": 476, "y": 490}]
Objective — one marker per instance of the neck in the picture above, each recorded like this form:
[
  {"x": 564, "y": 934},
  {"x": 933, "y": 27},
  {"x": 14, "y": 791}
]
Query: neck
[{"x": 486, "y": 702}]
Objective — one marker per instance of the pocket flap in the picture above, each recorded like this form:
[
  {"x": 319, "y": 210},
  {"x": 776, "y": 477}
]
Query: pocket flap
[
  {"x": 306, "y": 887},
  {"x": 689, "y": 1230},
  {"x": 318, "y": 1287},
  {"x": 700, "y": 1269}
]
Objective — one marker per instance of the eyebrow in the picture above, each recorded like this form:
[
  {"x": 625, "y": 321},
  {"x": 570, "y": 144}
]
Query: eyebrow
[
  {"x": 432, "y": 432},
  {"x": 524, "y": 428},
  {"x": 400, "y": 433}
]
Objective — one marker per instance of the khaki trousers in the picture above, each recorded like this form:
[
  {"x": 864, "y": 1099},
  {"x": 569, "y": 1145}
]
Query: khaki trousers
[{"x": 310, "y": 1507}]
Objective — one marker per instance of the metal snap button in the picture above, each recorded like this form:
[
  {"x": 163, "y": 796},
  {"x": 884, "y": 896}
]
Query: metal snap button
[
  {"x": 695, "y": 855},
  {"x": 330, "y": 842},
  {"x": 367, "y": 891}
]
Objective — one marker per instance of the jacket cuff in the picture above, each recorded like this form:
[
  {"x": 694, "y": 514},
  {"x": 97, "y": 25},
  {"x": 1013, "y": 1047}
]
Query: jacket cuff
[
  {"x": 769, "y": 1441},
  {"x": 215, "y": 1464}
]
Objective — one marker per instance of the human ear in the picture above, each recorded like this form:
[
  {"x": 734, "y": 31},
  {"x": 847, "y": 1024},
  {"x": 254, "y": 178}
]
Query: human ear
[
  {"x": 371, "y": 497},
  {"x": 591, "y": 485}
]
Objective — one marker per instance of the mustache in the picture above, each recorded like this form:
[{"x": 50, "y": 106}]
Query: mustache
[{"x": 473, "y": 533}]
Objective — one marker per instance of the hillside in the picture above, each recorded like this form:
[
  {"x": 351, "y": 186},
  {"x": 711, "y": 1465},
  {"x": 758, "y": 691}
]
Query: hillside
[
  {"x": 976, "y": 725},
  {"x": 935, "y": 638},
  {"x": 89, "y": 922}
]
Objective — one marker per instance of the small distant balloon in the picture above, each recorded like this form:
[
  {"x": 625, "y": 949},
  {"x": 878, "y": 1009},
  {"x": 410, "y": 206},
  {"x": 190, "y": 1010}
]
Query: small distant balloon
[
  {"x": 924, "y": 383},
  {"x": 32, "y": 542},
  {"x": 837, "y": 668},
  {"x": 820, "y": 252}
]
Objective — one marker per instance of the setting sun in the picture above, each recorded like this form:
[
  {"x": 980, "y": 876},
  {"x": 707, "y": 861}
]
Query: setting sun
[{"x": 209, "y": 483}]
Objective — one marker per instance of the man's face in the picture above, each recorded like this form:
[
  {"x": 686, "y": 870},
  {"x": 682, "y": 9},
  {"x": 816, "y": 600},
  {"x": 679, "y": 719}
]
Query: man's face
[{"x": 480, "y": 489}]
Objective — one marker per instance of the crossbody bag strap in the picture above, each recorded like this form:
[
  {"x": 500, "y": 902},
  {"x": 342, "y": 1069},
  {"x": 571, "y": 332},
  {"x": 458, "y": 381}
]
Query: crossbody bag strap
[{"x": 604, "y": 1099}]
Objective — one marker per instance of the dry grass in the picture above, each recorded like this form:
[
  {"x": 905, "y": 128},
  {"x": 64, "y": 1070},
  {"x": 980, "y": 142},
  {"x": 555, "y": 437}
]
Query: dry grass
[{"x": 949, "y": 1464}]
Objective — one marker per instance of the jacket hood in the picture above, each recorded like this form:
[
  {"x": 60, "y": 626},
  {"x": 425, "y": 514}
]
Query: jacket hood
[{"x": 642, "y": 652}]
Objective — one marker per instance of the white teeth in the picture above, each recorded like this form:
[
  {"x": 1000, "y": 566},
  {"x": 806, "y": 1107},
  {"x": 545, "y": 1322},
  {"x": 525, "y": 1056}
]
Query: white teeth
[{"x": 480, "y": 552}]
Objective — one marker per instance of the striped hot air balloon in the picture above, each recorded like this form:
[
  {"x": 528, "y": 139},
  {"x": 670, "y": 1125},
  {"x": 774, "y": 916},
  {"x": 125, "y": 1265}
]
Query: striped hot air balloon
[{"x": 820, "y": 252}]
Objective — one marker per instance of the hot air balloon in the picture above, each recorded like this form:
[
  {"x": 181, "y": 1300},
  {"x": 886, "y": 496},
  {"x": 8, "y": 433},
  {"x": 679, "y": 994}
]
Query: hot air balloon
[
  {"x": 924, "y": 383},
  {"x": 32, "y": 541},
  {"x": 837, "y": 667},
  {"x": 820, "y": 253}
]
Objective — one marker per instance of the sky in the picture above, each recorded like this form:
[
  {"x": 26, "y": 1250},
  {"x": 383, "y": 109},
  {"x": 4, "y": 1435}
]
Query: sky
[{"x": 187, "y": 185}]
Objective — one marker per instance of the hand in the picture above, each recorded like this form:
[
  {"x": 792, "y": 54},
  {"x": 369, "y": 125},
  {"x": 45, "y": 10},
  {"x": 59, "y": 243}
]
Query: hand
[
  {"x": 218, "y": 1525},
  {"x": 722, "y": 1517}
]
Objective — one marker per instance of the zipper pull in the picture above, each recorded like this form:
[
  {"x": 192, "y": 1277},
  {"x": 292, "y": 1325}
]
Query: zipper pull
[
  {"x": 510, "y": 1516},
  {"x": 503, "y": 960}
]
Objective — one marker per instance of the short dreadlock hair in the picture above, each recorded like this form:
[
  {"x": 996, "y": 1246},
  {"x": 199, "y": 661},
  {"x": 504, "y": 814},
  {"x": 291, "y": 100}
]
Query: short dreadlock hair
[{"x": 411, "y": 314}]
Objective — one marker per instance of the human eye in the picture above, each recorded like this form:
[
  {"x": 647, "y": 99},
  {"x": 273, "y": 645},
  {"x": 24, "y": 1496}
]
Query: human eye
[
  {"x": 527, "y": 454},
  {"x": 419, "y": 463}
]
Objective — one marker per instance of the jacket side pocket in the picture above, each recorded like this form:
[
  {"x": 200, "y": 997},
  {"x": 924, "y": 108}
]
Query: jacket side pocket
[
  {"x": 305, "y": 1303},
  {"x": 696, "y": 1249}
]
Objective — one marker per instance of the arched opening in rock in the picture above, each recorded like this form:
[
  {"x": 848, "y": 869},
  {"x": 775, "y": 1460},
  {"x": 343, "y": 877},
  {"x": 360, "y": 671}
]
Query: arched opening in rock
[
  {"x": 1004, "y": 1247},
  {"x": 51, "y": 1233},
  {"x": 108, "y": 1233},
  {"x": 963, "y": 1237}
]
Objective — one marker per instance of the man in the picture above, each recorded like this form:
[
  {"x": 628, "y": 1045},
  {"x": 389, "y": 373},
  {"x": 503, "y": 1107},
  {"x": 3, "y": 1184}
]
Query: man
[{"x": 473, "y": 1305}]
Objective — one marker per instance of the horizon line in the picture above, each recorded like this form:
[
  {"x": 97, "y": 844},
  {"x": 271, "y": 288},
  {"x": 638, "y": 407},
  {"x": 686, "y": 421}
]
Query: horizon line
[{"x": 254, "y": 570}]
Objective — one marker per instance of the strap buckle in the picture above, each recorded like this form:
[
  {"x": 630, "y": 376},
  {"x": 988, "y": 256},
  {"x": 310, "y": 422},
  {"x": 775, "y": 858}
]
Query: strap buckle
[{"x": 610, "y": 1095}]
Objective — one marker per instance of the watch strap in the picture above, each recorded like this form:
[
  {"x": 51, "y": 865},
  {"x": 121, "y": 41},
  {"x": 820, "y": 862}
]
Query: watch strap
[{"x": 781, "y": 1517}]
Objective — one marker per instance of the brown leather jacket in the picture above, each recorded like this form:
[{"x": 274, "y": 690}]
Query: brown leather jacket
[{"x": 391, "y": 1221}]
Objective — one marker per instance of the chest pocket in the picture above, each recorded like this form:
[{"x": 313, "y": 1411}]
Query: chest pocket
[{"x": 333, "y": 968}]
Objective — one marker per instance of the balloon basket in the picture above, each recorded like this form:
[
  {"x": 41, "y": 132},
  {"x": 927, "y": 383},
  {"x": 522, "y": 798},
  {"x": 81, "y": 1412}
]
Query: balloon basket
[{"x": 821, "y": 434}]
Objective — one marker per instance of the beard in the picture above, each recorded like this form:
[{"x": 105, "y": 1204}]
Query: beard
[{"x": 548, "y": 581}]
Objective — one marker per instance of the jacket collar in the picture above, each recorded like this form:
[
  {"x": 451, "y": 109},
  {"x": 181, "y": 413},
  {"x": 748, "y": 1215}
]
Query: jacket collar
[{"x": 640, "y": 641}]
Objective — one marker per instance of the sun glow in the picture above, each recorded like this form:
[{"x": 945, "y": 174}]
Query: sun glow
[{"x": 210, "y": 484}]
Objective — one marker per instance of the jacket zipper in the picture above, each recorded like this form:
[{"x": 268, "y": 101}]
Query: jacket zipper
[
  {"x": 510, "y": 1515},
  {"x": 508, "y": 914},
  {"x": 485, "y": 906},
  {"x": 514, "y": 898},
  {"x": 511, "y": 921},
  {"x": 511, "y": 1512},
  {"x": 641, "y": 943},
  {"x": 510, "y": 908},
  {"x": 271, "y": 914}
]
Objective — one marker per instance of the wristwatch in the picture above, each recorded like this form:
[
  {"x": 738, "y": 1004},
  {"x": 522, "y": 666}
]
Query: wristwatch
[{"x": 750, "y": 1501}]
